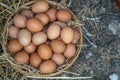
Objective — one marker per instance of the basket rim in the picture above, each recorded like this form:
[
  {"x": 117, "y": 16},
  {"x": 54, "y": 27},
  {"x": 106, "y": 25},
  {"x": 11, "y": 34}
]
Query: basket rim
[{"x": 60, "y": 71}]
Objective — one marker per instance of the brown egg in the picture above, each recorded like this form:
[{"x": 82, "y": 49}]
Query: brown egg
[
  {"x": 24, "y": 37},
  {"x": 53, "y": 31},
  {"x": 40, "y": 6},
  {"x": 20, "y": 21},
  {"x": 22, "y": 57},
  {"x": 47, "y": 67},
  {"x": 67, "y": 34},
  {"x": 59, "y": 59},
  {"x": 44, "y": 51},
  {"x": 13, "y": 32},
  {"x": 76, "y": 37},
  {"x": 62, "y": 24},
  {"x": 70, "y": 51},
  {"x": 34, "y": 25},
  {"x": 14, "y": 46},
  {"x": 28, "y": 13},
  {"x": 44, "y": 18},
  {"x": 30, "y": 48},
  {"x": 52, "y": 14},
  {"x": 39, "y": 38},
  {"x": 35, "y": 60},
  {"x": 57, "y": 46},
  {"x": 64, "y": 15}
]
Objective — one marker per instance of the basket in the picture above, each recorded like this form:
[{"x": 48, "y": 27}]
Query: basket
[{"x": 28, "y": 70}]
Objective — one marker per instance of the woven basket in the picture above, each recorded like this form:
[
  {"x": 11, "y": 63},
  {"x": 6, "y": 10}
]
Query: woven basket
[{"x": 27, "y": 70}]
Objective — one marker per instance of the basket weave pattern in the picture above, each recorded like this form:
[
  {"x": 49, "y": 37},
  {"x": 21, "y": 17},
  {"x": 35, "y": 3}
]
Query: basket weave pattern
[{"x": 27, "y": 69}]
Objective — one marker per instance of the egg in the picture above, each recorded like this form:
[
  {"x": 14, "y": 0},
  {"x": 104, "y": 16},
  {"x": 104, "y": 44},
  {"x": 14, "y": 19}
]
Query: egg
[
  {"x": 39, "y": 38},
  {"x": 35, "y": 60},
  {"x": 40, "y": 6},
  {"x": 30, "y": 48},
  {"x": 34, "y": 25},
  {"x": 13, "y": 32},
  {"x": 67, "y": 35},
  {"x": 76, "y": 37},
  {"x": 21, "y": 57},
  {"x": 28, "y": 13},
  {"x": 62, "y": 24},
  {"x": 64, "y": 15},
  {"x": 14, "y": 46},
  {"x": 52, "y": 14},
  {"x": 24, "y": 37},
  {"x": 53, "y": 31},
  {"x": 43, "y": 18},
  {"x": 59, "y": 59},
  {"x": 47, "y": 67},
  {"x": 20, "y": 21},
  {"x": 70, "y": 51},
  {"x": 57, "y": 46},
  {"x": 44, "y": 51}
]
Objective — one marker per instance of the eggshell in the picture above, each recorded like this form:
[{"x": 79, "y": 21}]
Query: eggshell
[
  {"x": 28, "y": 13},
  {"x": 53, "y": 31},
  {"x": 22, "y": 57},
  {"x": 34, "y": 25},
  {"x": 52, "y": 14},
  {"x": 44, "y": 18},
  {"x": 64, "y": 15},
  {"x": 59, "y": 59},
  {"x": 44, "y": 51},
  {"x": 35, "y": 60},
  {"x": 14, "y": 46},
  {"x": 40, "y": 6},
  {"x": 62, "y": 24},
  {"x": 57, "y": 46},
  {"x": 20, "y": 21},
  {"x": 24, "y": 37},
  {"x": 30, "y": 48},
  {"x": 70, "y": 51},
  {"x": 48, "y": 67},
  {"x": 76, "y": 37},
  {"x": 67, "y": 34},
  {"x": 13, "y": 32},
  {"x": 39, "y": 38}
]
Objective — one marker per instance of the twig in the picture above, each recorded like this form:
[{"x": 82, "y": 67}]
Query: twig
[
  {"x": 87, "y": 33},
  {"x": 62, "y": 77},
  {"x": 94, "y": 45},
  {"x": 71, "y": 73}
]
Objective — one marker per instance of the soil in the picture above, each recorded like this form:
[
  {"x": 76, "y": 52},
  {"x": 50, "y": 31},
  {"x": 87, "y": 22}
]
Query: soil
[{"x": 101, "y": 57}]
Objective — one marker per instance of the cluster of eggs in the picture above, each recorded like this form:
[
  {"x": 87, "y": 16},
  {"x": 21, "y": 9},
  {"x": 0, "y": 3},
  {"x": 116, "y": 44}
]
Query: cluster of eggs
[{"x": 42, "y": 38}]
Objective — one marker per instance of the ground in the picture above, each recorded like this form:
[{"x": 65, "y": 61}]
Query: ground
[
  {"x": 101, "y": 58},
  {"x": 100, "y": 55}
]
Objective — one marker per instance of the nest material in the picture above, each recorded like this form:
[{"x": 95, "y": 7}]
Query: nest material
[{"x": 27, "y": 69}]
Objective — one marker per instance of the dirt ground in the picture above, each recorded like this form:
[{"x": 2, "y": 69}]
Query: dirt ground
[{"x": 100, "y": 55}]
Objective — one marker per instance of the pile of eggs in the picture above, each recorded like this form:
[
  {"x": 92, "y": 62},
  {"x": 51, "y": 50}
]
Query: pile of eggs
[{"x": 41, "y": 38}]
